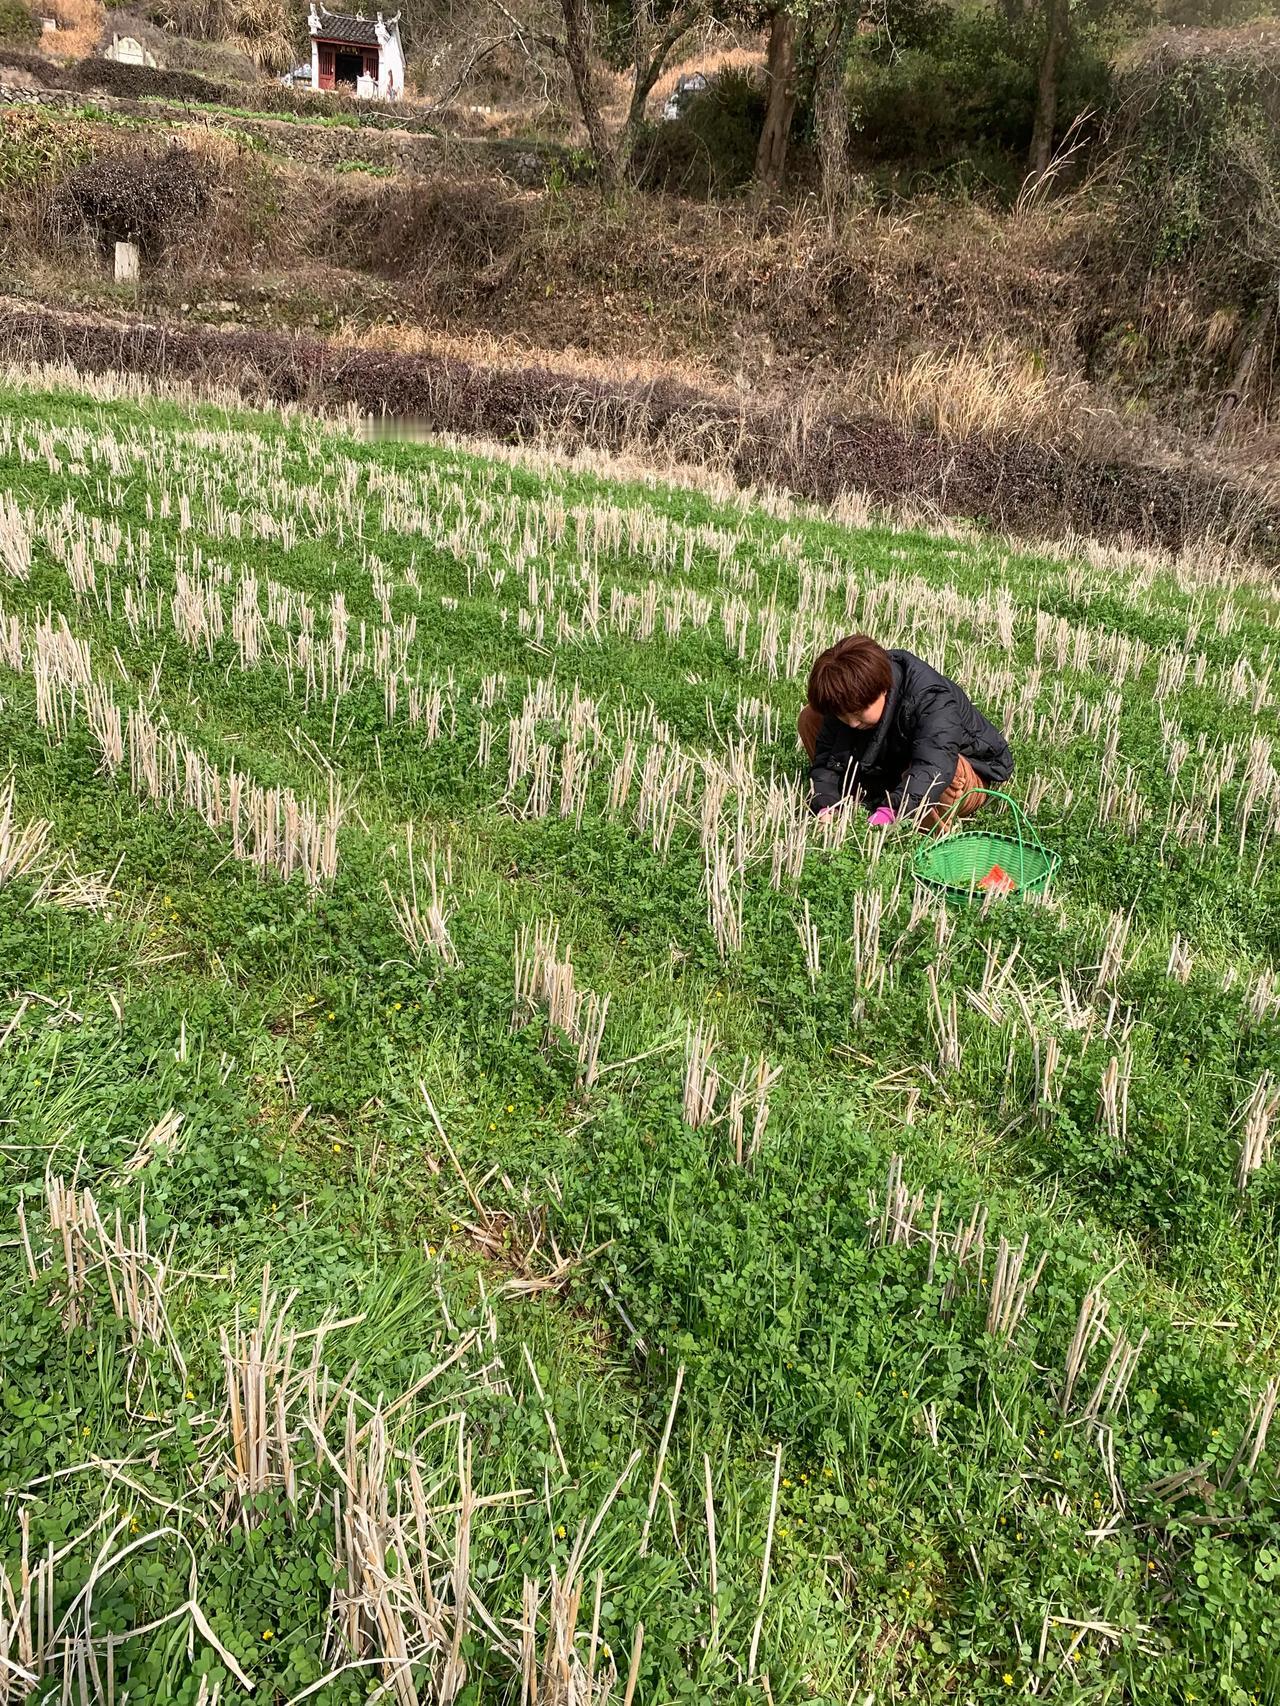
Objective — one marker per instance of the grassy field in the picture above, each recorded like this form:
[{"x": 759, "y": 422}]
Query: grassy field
[{"x": 500, "y": 1207}]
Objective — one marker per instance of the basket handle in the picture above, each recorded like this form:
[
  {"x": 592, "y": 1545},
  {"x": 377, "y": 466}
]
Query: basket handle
[{"x": 1021, "y": 822}]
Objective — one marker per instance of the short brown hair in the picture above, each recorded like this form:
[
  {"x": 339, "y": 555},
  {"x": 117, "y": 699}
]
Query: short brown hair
[{"x": 849, "y": 676}]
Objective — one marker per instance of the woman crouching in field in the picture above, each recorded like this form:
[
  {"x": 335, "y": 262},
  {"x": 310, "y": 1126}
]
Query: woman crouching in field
[{"x": 885, "y": 726}]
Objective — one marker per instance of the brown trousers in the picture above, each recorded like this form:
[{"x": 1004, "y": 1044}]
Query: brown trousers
[{"x": 809, "y": 727}]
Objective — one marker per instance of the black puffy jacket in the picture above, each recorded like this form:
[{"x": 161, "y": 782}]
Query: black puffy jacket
[{"x": 909, "y": 757}]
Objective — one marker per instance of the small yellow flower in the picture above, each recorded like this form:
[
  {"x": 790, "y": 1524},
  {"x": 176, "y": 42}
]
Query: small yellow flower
[
  {"x": 560, "y": 1532},
  {"x": 828, "y": 1471},
  {"x": 492, "y": 1126},
  {"x": 1008, "y": 1679},
  {"x": 85, "y": 1432},
  {"x": 1150, "y": 1566},
  {"x": 511, "y": 1107},
  {"x": 331, "y": 1015},
  {"x": 267, "y": 1634},
  {"x": 431, "y": 1249},
  {"x": 1056, "y": 1456},
  {"x": 397, "y": 1006},
  {"x": 134, "y": 1525},
  {"x": 188, "y": 1394},
  {"x": 337, "y": 1149}
]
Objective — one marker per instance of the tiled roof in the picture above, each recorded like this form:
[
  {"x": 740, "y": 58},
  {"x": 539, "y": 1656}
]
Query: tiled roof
[{"x": 360, "y": 32}]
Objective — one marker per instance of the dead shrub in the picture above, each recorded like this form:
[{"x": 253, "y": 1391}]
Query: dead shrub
[
  {"x": 444, "y": 228},
  {"x": 110, "y": 77},
  {"x": 153, "y": 197}
]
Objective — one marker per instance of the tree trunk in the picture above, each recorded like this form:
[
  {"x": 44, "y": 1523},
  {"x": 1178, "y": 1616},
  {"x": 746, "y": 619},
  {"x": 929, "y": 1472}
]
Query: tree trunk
[
  {"x": 1059, "y": 21},
  {"x": 577, "y": 51},
  {"x": 831, "y": 112},
  {"x": 780, "y": 70}
]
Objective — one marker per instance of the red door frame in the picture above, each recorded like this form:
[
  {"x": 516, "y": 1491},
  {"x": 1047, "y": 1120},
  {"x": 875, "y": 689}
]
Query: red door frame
[{"x": 328, "y": 62}]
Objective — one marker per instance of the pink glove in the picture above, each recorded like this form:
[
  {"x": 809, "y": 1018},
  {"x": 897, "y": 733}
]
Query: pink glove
[{"x": 882, "y": 816}]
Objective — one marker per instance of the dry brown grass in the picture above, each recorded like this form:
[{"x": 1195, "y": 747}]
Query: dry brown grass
[
  {"x": 79, "y": 29},
  {"x": 712, "y": 62},
  {"x": 712, "y": 50},
  {"x": 991, "y": 389},
  {"x": 513, "y": 353}
]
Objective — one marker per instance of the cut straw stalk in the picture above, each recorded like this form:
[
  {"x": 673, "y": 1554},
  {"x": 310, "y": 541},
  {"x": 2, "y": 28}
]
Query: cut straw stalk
[
  {"x": 701, "y": 1080},
  {"x": 24, "y": 849},
  {"x": 421, "y": 916},
  {"x": 811, "y": 945},
  {"x": 661, "y": 1463},
  {"x": 1010, "y": 1293},
  {"x": 748, "y": 1096},
  {"x": 768, "y": 1558},
  {"x": 1256, "y": 1120},
  {"x": 545, "y": 979}
]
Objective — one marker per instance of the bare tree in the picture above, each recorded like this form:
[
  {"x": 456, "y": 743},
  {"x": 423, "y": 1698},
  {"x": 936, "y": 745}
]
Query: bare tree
[
  {"x": 652, "y": 44},
  {"x": 653, "y": 40}
]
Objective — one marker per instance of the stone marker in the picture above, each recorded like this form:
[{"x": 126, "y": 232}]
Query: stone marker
[{"x": 128, "y": 263}]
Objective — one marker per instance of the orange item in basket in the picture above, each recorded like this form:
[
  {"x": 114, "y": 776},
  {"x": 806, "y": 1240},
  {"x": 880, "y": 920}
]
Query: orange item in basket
[{"x": 998, "y": 881}]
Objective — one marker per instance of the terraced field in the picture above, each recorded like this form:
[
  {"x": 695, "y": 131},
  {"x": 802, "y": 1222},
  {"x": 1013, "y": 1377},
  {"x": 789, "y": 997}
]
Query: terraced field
[{"x": 501, "y": 1206}]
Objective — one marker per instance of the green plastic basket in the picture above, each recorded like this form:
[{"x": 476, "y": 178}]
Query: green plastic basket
[{"x": 958, "y": 862}]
